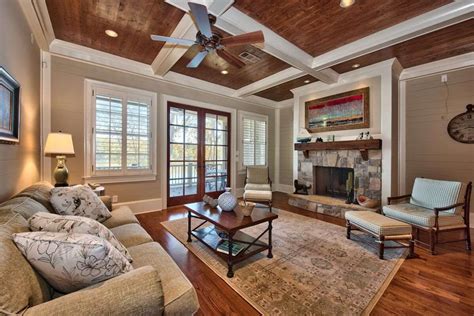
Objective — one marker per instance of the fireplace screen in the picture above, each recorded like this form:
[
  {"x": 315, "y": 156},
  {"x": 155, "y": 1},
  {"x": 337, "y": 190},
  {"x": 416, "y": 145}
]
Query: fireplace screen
[{"x": 333, "y": 181}]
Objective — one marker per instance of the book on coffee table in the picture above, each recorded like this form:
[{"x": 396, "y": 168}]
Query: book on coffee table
[{"x": 236, "y": 247}]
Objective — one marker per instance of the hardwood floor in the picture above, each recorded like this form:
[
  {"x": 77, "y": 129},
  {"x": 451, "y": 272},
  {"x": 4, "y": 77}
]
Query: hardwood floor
[{"x": 426, "y": 285}]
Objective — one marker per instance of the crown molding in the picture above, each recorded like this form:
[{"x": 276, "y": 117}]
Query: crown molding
[
  {"x": 37, "y": 17},
  {"x": 444, "y": 16},
  {"x": 444, "y": 65}
]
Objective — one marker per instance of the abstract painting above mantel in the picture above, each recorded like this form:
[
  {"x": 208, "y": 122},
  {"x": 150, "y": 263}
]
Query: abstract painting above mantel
[
  {"x": 9, "y": 108},
  {"x": 348, "y": 110}
]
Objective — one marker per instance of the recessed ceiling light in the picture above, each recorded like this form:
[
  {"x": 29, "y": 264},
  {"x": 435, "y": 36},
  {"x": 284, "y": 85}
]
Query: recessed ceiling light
[
  {"x": 346, "y": 3},
  {"x": 307, "y": 81},
  {"x": 356, "y": 66},
  {"x": 111, "y": 33},
  {"x": 224, "y": 72}
]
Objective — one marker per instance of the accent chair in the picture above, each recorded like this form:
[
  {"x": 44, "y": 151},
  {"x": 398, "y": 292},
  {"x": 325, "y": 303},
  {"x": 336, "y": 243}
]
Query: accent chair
[
  {"x": 258, "y": 186},
  {"x": 435, "y": 206}
]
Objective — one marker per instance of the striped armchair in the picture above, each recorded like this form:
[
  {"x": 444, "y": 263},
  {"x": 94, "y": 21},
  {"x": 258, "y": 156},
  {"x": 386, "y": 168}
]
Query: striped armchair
[
  {"x": 258, "y": 186},
  {"x": 434, "y": 206}
]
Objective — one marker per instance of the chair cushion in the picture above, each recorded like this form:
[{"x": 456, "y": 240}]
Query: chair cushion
[
  {"x": 420, "y": 216},
  {"x": 131, "y": 235},
  {"x": 257, "y": 175},
  {"x": 258, "y": 195},
  {"x": 257, "y": 187},
  {"x": 20, "y": 285},
  {"x": 429, "y": 193},
  {"x": 120, "y": 216},
  {"x": 377, "y": 223},
  {"x": 70, "y": 262},
  {"x": 180, "y": 296}
]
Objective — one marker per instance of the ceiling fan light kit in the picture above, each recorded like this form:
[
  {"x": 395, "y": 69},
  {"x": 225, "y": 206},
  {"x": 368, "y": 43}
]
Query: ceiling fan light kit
[{"x": 210, "y": 41}]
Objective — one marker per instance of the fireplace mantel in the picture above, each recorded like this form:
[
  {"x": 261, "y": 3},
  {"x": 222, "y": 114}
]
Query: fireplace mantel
[{"x": 362, "y": 145}]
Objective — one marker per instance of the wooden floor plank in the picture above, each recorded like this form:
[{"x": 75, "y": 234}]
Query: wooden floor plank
[{"x": 426, "y": 285}]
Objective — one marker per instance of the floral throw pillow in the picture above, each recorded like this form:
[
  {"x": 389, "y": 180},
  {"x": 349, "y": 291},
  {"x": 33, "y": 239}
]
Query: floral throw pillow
[
  {"x": 48, "y": 222},
  {"x": 79, "y": 200},
  {"x": 70, "y": 262}
]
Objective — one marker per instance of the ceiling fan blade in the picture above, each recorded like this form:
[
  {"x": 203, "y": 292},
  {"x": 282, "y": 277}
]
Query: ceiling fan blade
[
  {"x": 179, "y": 41},
  {"x": 243, "y": 39},
  {"x": 201, "y": 18},
  {"x": 231, "y": 59},
  {"x": 197, "y": 59}
]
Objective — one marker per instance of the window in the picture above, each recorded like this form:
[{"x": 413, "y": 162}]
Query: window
[
  {"x": 120, "y": 128},
  {"x": 253, "y": 134}
]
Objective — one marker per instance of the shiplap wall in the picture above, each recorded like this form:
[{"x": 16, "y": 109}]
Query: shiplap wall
[
  {"x": 19, "y": 164},
  {"x": 286, "y": 146},
  {"x": 430, "y": 151}
]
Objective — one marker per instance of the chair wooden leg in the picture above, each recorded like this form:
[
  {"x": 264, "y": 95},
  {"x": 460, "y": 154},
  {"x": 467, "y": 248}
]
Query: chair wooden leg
[
  {"x": 468, "y": 239},
  {"x": 381, "y": 247},
  {"x": 432, "y": 241},
  {"x": 348, "y": 232},
  {"x": 411, "y": 253},
  {"x": 270, "y": 206}
]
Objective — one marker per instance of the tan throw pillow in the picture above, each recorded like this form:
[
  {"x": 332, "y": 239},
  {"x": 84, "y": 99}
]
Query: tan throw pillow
[
  {"x": 70, "y": 262},
  {"x": 48, "y": 222},
  {"x": 79, "y": 200}
]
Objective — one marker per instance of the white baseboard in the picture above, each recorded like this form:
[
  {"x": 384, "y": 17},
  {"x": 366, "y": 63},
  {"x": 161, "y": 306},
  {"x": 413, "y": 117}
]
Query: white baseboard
[
  {"x": 283, "y": 188},
  {"x": 143, "y": 206}
]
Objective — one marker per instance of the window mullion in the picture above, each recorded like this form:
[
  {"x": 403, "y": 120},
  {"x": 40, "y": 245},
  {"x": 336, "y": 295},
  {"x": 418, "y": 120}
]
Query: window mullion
[{"x": 124, "y": 134}]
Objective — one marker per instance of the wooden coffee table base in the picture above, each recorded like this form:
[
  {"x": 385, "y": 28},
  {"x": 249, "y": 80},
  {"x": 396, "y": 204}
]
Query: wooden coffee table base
[{"x": 208, "y": 235}]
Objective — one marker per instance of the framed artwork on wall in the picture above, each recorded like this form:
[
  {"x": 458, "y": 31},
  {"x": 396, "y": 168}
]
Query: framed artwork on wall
[
  {"x": 348, "y": 110},
  {"x": 9, "y": 108}
]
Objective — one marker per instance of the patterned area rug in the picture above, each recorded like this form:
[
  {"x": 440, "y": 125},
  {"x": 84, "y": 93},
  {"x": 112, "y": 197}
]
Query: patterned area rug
[{"x": 315, "y": 269}]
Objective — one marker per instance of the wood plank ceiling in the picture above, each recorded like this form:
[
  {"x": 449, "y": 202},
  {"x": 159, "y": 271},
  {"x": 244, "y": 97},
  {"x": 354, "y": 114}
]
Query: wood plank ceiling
[
  {"x": 320, "y": 26},
  {"x": 84, "y": 22},
  {"x": 282, "y": 91}
]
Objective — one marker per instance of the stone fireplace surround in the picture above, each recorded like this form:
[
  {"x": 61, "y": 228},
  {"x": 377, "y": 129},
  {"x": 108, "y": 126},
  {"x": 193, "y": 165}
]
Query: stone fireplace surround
[{"x": 367, "y": 178}]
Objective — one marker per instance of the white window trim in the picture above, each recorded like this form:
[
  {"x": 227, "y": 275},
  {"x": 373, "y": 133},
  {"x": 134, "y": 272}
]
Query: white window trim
[
  {"x": 89, "y": 115},
  {"x": 251, "y": 116}
]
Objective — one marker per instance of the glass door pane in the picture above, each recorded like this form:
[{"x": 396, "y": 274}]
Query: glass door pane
[
  {"x": 216, "y": 152},
  {"x": 183, "y": 152}
]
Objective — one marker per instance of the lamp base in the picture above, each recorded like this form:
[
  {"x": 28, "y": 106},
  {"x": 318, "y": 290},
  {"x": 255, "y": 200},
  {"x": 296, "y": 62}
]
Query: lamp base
[{"x": 61, "y": 173}]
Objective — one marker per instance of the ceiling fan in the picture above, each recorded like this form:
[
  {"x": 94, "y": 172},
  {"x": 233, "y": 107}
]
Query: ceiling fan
[{"x": 210, "y": 41}]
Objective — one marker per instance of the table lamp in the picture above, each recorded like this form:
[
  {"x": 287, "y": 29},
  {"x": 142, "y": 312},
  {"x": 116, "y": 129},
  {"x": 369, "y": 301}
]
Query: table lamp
[{"x": 60, "y": 144}]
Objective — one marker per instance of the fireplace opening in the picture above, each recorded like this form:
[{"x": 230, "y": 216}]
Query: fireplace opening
[{"x": 334, "y": 182}]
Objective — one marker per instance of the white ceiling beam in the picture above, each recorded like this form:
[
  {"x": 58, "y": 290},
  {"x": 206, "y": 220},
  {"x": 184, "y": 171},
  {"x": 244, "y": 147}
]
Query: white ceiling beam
[
  {"x": 444, "y": 16},
  {"x": 270, "y": 81},
  {"x": 171, "y": 53}
]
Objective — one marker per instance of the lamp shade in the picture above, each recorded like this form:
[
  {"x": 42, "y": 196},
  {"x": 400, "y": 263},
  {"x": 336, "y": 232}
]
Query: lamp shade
[{"x": 59, "y": 143}]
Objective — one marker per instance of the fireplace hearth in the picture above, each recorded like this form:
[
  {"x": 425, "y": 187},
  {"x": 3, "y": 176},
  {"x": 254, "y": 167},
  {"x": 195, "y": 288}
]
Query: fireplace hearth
[{"x": 334, "y": 182}]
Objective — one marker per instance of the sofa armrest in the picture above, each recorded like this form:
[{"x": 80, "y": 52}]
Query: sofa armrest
[
  {"x": 137, "y": 292},
  {"x": 390, "y": 199},
  {"x": 107, "y": 200}
]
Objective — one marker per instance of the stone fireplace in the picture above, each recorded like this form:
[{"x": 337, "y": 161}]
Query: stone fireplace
[{"x": 328, "y": 170}]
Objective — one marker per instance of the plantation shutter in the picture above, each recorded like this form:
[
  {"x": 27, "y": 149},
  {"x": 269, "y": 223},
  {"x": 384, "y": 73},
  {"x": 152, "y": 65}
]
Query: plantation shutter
[
  {"x": 254, "y": 137},
  {"x": 138, "y": 135}
]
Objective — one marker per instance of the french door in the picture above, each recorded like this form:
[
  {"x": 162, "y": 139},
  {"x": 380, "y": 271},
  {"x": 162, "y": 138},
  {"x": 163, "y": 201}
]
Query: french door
[{"x": 198, "y": 153}]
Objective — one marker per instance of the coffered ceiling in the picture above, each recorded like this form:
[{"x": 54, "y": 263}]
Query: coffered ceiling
[{"x": 296, "y": 31}]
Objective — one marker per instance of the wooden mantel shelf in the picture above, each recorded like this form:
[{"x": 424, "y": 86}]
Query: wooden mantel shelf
[{"x": 362, "y": 145}]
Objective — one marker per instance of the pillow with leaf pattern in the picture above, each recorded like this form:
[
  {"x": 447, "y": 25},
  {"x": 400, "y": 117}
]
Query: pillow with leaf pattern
[
  {"x": 48, "y": 222},
  {"x": 79, "y": 200},
  {"x": 70, "y": 262}
]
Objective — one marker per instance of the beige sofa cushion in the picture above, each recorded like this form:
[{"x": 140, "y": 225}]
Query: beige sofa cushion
[
  {"x": 40, "y": 192},
  {"x": 24, "y": 206},
  {"x": 120, "y": 216},
  {"x": 420, "y": 216},
  {"x": 20, "y": 285},
  {"x": 257, "y": 187},
  {"x": 131, "y": 235},
  {"x": 377, "y": 223},
  {"x": 258, "y": 195},
  {"x": 180, "y": 296}
]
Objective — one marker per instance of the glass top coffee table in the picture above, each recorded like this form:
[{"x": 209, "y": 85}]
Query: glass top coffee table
[{"x": 226, "y": 229}]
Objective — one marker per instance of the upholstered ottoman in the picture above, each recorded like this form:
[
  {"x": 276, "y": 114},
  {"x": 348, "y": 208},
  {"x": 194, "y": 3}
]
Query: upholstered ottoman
[
  {"x": 383, "y": 228},
  {"x": 259, "y": 197}
]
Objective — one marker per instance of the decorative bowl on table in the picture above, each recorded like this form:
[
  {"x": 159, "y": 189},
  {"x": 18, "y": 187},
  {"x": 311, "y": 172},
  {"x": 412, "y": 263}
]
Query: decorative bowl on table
[
  {"x": 367, "y": 202},
  {"x": 246, "y": 208}
]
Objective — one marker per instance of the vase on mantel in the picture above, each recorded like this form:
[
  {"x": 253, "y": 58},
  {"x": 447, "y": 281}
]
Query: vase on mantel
[{"x": 227, "y": 201}]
